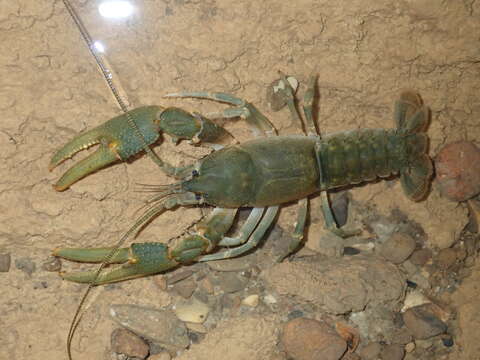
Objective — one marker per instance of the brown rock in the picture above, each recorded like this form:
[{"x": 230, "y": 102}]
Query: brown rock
[
  {"x": 398, "y": 248},
  {"x": 421, "y": 257},
  {"x": 446, "y": 258},
  {"x": 5, "y": 261},
  {"x": 307, "y": 339},
  {"x": 458, "y": 170},
  {"x": 371, "y": 351},
  {"x": 392, "y": 352},
  {"x": 422, "y": 323},
  {"x": 126, "y": 342},
  {"x": 185, "y": 288}
]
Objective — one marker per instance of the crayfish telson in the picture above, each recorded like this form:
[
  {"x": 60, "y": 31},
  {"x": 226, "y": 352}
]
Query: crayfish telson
[{"x": 262, "y": 173}]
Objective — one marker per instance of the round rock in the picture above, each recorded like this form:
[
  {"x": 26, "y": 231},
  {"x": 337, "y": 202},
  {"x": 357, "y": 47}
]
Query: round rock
[
  {"x": 307, "y": 339},
  {"x": 422, "y": 323},
  {"x": 457, "y": 167},
  {"x": 127, "y": 343},
  {"x": 397, "y": 248}
]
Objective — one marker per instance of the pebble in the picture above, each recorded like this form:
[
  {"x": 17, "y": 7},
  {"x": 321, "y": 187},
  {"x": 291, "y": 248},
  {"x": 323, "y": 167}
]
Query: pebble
[
  {"x": 206, "y": 284},
  {"x": 160, "y": 281},
  {"x": 474, "y": 215},
  {"x": 371, "y": 351},
  {"x": 126, "y": 342},
  {"x": 339, "y": 207},
  {"x": 392, "y": 352},
  {"x": 421, "y": 257},
  {"x": 192, "y": 310},
  {"x": 338, "y": 285},
  {"x": 457, "y": 167},
  {"x": 307, "y": 339},
  {"x": 26, "y": 264},
  {"x": 446, "y": 258},
  {"x": 398, "y": 247},
  {"x": 231, "y": 282},
  {"x": 329, "y": 244},
  {"x": 447, "y": 340},
  {"x": 409, "y": 347},
  {"x": 5, "y": 261},
  {"x": 160, "y": 326},
  {"x": 52, "y": 264},
  {"x": 422, "y": 323},
  {"x": 185, "y": 288},
  {"x": 251, "y": 301}
]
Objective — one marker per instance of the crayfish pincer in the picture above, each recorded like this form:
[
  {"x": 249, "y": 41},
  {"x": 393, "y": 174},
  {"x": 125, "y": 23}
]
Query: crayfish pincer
[{"x": 261, "y": 173}]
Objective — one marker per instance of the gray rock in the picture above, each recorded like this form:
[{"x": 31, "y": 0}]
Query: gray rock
[
  {"x": 339, "y": 206},
  {"x": 160, "y": 326},
  {"x": 26, "y": 264},
  {"x": 231, "y": 282},
  {"x": 5, "y": 261},
  {"x": 339, "y": 285},
  {"x": 421, "y": 257},
  {"x": 398, "y": 247},
  {"x": 422, "y": 323},
  {"x": 185, "y": 288},
  {"x": 127, "y": 343}
]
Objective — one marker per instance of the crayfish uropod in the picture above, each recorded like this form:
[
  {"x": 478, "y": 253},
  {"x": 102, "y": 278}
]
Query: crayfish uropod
[{"x": 261, "y": 173}]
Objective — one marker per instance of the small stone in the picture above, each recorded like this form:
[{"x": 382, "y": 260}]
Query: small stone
[
  {"x": 192, "y": 310},
  {"x": 160, "y": 326},
  {"x": 421, "y": 257},
  {"x": 446, "y": 258},
  {"x": 185, "y": 288},
  {"x": 307, "y": 339},
  {"x": 398, "y": 247},
  {"x": 52, "y": 264},
  {"x": 457, "y": 168},
  {"x": 422, "y": 323},
  {"x": 350, "y": 251},
  {"x": 371, "y": 351},
  {"x": 231, "y": 282},
  {"x": 339, "y": 207},
  {"x": 207, "y": 285},
  {"x": 447, "y": 340},
  {"x": 26, "y": 265},
  {"x": 409, "y": 347},
  {"x": 160, "y": 281},
  {"x": 127, "y": 343},
  {"x": 392, "y": 352},
  {"x": 251, "y": 301},
  {"x": 269, "y": 299},
  {"x": 5, "y": 261}
]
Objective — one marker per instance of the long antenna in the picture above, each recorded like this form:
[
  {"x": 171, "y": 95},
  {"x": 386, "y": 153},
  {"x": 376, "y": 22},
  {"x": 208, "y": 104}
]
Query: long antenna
[{"x": 108, "y": 76}]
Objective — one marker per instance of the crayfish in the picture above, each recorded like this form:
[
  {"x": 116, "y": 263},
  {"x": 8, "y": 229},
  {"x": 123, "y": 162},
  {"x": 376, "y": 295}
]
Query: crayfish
[{"x": 262, "y": 173}]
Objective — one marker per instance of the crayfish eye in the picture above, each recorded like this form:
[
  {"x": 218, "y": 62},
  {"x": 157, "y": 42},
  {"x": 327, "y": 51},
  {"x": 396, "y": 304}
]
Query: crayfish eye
[
  {"x": 194, "y": 173},
  {"x": 198, "y": 197}
]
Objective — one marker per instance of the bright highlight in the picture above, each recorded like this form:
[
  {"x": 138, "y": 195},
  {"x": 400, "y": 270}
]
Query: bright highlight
[{"x": 115, "y": 9}]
